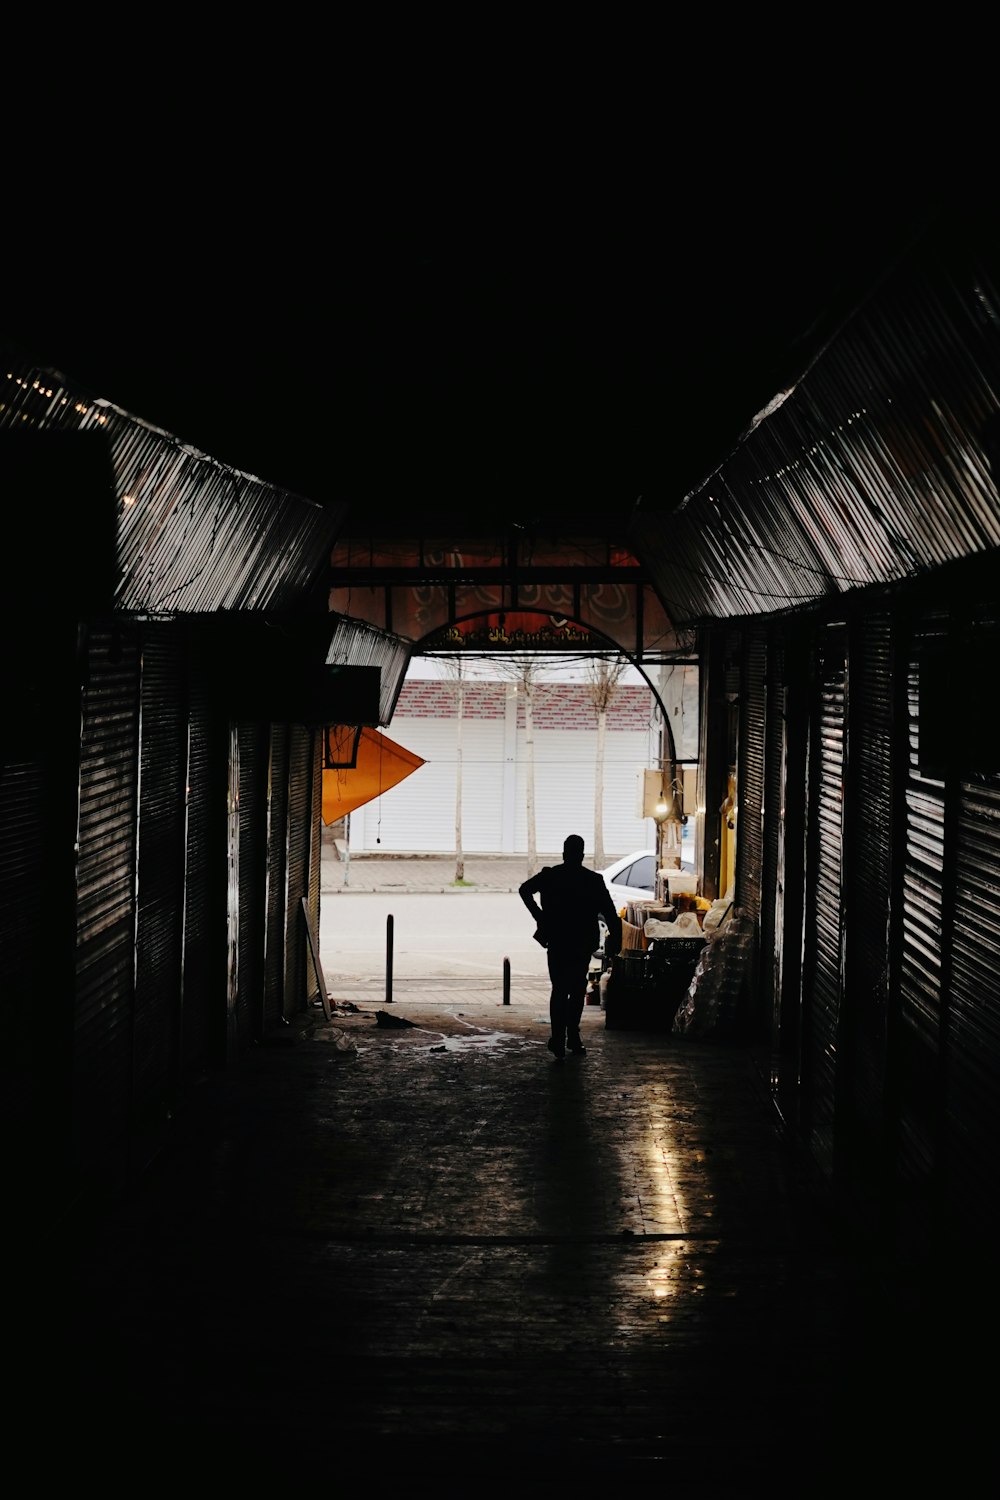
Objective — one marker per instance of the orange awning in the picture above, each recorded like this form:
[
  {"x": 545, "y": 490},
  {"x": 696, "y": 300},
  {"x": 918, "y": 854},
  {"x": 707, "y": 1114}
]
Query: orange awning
[{"x": 378, "y": 764}]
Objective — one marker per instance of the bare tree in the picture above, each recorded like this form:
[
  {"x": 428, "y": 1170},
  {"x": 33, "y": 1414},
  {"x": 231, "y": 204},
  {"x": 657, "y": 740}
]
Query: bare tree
[
  {"x": 527, "y": 686},
  {"x": 603, "y": 677},
  {"x": 525, "y": 670},
  {"x": 454, "y": 667},
  {"x": 460, "y": 714}
]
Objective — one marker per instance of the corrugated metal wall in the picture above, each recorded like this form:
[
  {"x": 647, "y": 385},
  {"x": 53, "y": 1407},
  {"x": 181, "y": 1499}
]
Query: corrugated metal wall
[
  {"x": 875, "y": 467},
  {"x": 919, "y": 1029},
  {"x": 305, "y": 801},
  {"x": 824, "y": 935},
  {"x": 786, "y": 806},
  {"x": 868, "y": 863},
  {"x": 106, "y": 909},
  {"x": 160, "y": 884},
  {"x": 248, "y": 998},
  {"x": 159, "y": 835},
  {"x": 772, "y": 826},
  {"x": 157, "y": 874},
  {"x": 750, "y": 760},
  {"x": 885, "y": 1045},
  {"x": 203, "y": 1030},
  {"x": 950, "y": 989},
  {"x": 277, "y": 876},
  {"x": 971, "y": 1125},
  {"x": 24, "y": 918},
  {"x": 859, "y": 518},
  {"x": 39, "y": 810}
]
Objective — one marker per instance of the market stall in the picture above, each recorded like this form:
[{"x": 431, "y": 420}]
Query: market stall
[{"x": 648, "y": 979}]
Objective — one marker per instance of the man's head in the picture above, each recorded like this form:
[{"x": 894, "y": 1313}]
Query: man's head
[{"x": 573, "y": 850}]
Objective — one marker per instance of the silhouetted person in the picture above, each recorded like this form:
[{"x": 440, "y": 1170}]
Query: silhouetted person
[{"x": 572, "y": 900}]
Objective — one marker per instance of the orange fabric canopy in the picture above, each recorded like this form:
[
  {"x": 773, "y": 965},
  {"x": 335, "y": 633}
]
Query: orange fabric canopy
[{"x": 379, "y": 764}]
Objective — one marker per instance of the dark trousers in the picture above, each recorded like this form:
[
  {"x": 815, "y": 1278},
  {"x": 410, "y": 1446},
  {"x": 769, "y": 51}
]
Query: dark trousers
[{"x": 568, "y": 967}]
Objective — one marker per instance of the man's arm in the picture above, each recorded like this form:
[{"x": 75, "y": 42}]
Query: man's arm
[{"x": 526, "y": 890}]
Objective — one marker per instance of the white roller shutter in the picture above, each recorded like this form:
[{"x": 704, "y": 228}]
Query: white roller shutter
[{"x": 418, "y": 815}]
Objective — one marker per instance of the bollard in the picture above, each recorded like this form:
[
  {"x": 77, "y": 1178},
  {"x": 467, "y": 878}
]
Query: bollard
[
  {"x": 506, "y": 981},
  {"x": 388, "y": 959}
]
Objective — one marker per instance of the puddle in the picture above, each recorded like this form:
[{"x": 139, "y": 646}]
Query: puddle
[
  {"x": 477, "y": 1039},
  {"x": 478, "y": 1043}
]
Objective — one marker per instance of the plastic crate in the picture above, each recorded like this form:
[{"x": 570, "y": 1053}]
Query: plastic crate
[{"x": 645, "y": 990}]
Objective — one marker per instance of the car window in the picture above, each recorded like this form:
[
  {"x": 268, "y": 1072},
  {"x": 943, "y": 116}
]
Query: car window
[{"x": 642, "y": 873}]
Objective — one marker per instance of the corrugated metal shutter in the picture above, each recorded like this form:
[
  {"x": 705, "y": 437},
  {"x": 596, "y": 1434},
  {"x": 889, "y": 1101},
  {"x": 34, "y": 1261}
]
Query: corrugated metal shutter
[
  {"x": 483, "y": 780},
  {"x": 728, "y": 730},
  {"x": 203, "y": 1030},
  {"x": 483, "y": 785},
  {"x": 862, "y": 1116},
  {"x": 419, "y": 813},
  {"x": 160, "y": 865},
  {"x": 232, "y": 1034},
  {"x": 312, "y": 831},
  {"x": 253, "y": 773},
  {"x": 38, "y": 817},
  {"x": 305, "y": 769},
  {"x": 917, "y": 1053},
  {"x": 771, "y": 828},
  {"x": 277, "y": 877},
  {"x": 750, "y": 772},
  {"x": 483, "y": 774},
  {"x": 564, "y": 792},
  {"x": 106, "y": 877},
  {"x": 972, "y": 1069},
  {"x": 23, "y": 915},
  {"x": 790, "y": 888},
  {"x": 823, "y": 970}
]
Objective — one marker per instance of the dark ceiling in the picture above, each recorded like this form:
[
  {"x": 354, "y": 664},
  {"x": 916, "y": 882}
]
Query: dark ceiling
[{"x": 538, "y": 370}]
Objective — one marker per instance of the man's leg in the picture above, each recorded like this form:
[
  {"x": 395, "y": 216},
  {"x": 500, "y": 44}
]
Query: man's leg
[
  {"x": 558, "y": 1000},
  {"x": 576, "y": 999}
]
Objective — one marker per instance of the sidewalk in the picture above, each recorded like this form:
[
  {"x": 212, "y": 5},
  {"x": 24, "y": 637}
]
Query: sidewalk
[{"x": 419, "y": 872}]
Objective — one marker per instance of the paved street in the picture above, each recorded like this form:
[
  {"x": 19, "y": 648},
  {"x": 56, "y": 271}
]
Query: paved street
[
  {"x": 441, "y": 935},
  {"x": 465, "y": 936},
  {"x": 419, "y": 872}
]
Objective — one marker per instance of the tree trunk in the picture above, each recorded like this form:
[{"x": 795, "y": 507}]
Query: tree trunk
[
  {"x": 599, "y": 857},
  {"x": 459, "y": 857},
  {"x": 603, "y": 677},
  {"x": 529, "y": 772}
]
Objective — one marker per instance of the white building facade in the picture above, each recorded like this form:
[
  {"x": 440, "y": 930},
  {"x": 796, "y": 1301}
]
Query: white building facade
[{"x": 418, "y": 816}]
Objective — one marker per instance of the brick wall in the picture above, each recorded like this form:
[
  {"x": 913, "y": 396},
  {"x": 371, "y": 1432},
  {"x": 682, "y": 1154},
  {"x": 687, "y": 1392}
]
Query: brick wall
[
  {"x": 563, "y": 705},
  {"x": 436, "y": 700}
]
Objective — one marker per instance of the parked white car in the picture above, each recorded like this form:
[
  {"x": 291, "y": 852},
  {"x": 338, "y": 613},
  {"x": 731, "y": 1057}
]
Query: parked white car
[{"x": 631, "y": 878}]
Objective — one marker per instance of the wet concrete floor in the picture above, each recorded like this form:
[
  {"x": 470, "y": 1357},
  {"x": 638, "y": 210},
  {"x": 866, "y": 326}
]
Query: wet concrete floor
[{"x": 423, "y": 1255}]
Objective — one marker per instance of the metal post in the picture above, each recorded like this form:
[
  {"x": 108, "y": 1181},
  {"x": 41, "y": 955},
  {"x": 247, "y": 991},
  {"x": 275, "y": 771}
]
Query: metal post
[
  {"x": 506, "y": 981},
  {"x": 388, "y": 959}
]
